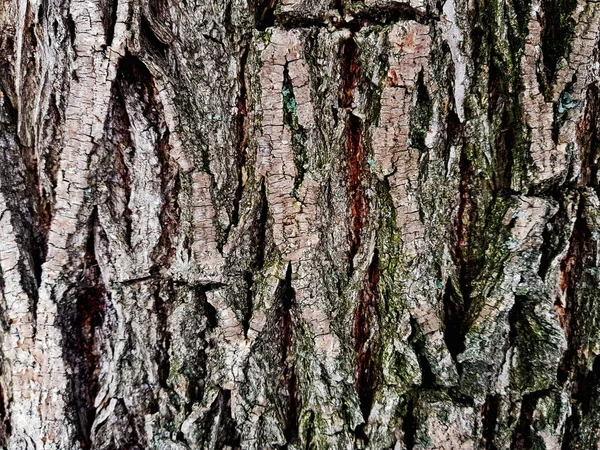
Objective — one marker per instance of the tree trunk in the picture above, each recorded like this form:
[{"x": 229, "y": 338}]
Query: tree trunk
[{"x": 299, "y": 224}]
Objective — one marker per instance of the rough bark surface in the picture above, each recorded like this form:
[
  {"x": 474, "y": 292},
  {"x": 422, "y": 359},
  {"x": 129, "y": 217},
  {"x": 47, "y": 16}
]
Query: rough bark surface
[{"x": 299, "y": 224}]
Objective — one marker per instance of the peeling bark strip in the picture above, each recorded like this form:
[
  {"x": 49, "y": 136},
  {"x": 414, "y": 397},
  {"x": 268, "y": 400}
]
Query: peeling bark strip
[
  {"x": 299, "y": 224},
  {"x": 293, "y": 207},
  {"x": 395, "y": 156}
]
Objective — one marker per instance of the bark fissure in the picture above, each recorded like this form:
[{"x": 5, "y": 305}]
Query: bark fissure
[
  {"x": 241, "y": 127},
  {"x": 458, "y": 304},
  {"x": 588, "y": 138},
  {"x": 286, "y": 299},
  {"x": 557, "y": 34},
  {"x": 571, "y": 272},
  {"x": 81, "y": 324},
  {"x": 109, "y": 19},
  {"x": 365, "y": 318},
  {"x": 353, "y": 18},
  {"x": 523, "y": 436},
  {"x": 350, "y": 73},
  {"x": 490, "y": 410},
  {"x": 264, "y": 14},
  {"x": 260, "y": 243}
]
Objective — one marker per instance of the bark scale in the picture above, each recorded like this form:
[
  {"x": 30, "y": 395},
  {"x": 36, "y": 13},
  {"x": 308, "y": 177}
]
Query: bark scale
[{"x": 299, "y": 224}]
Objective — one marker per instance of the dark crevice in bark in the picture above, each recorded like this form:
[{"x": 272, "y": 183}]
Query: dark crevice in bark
[
  {"x": 355, "y": 162},
  {"x": 356, "y": 18},
  {"x": 584, "y": 413},
  {"x": 70, "y": 23},
  {"x": 558, "y": 31},
  {"x": 50, "y": 164},
  {"x": 290, "y": 119},
  {"x": 80, "y": 322},
  {"x": 365, "y": 317},
  {"x": 132, "y": 281},
  {"x": 218, "y": 429},
  {"x": 52, "y": 158},
  {"x": 458, "y": 301},
  {"x": 241, "y": 127},
  {"x": 417, "y": 341},
  {"x": 588, "y": 138},
  {"x": 409, "y": 424},
  {"x": 127, "y": 435},
  {"x": 118, "y": 136},
  {"x": 501, "y": 104},
  {"x": 249, "y": 280},
  {"x": 162, "y": 312},
  {"x": 156, "y": 26},
  {"x": 388, "y": 13},
  {"x": 159, "y": 9},
  {"x": 421, "y": 115},
  {"x": 454, "y": 129},
  {"x": 264, "y": 14},
  {"x": 516, "y": 315},
  {"x": 361, "y": 436},
  {"x": 554, "y": 238},
  {"x": 136, "y": 81},
  {"x": 286, "y": 299},
  {"x": 261, "y": 229},
  {"x": 170, "y": 213},
  {"x": 350, "y": 71},
  {"x": 489, "y": 412},
  {"x": 579, "y": 320},
  {"x": 454, "y": 315},
  {"x": 355, "y": 156},
  {"x": 259, "y": 240},
  {"x": 109, "y": 19},
  {"x": 523, "y": 436},
  {"x": 228, "y": 435},
  {"x": 571, "y": 274},
  {"x": 203, "y": 319},
  {"x": 150, "y": 38}
]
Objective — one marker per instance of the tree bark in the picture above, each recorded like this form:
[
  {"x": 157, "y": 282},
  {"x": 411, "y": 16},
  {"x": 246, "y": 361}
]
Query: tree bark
[{"x": 299, "y": 224}]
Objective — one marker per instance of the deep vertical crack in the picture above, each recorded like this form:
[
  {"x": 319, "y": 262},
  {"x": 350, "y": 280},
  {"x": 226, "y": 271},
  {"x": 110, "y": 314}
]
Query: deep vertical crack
[
  {"x": 80, "y": 323},
  {"x": 241, "y": 129},
  {"x": 355, "y": 157},
  {"x": 286, "y": 299},
  {"x": 365, "y": 316}
]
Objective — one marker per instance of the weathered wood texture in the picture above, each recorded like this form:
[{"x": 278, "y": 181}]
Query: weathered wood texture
[{"x": 300, "y": 224}]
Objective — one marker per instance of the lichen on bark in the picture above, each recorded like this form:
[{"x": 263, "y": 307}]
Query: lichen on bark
[{"x": 299, "y": 224}]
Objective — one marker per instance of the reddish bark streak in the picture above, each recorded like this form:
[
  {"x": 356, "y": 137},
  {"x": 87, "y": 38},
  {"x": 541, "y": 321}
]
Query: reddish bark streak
[
  {"x": 354, "y": 147},
  {"x": 571, "y": 267}
]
